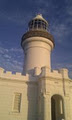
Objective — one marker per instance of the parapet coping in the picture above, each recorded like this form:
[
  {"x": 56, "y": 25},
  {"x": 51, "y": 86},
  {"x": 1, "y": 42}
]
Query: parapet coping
[
  {"x": 8, "y": 75},
  {"x": 37, "y": 73}
]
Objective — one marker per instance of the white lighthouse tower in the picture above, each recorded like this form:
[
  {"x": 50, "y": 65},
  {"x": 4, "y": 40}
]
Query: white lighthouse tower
[
  {"x": 39, "y": 93},
  {"x": 37, "y": 44}
]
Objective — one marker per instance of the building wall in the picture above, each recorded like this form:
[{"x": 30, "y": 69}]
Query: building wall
[
  {"x": 56, "y": 83},
  {"x": 37, "y": 91},
  {"x": 70, "y": 99},
  {"x": 28, "y": 89}
]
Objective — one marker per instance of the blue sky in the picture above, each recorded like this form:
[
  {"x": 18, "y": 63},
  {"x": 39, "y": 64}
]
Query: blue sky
[{"x": 14, "y": 18}]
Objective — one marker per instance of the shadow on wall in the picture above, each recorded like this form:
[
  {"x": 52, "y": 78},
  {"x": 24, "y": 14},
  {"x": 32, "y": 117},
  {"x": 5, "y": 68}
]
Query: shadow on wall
[{"x": 32, "y": 95}]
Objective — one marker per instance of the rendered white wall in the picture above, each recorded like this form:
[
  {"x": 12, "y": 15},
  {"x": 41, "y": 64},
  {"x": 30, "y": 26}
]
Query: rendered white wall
[
  {"x": 28, "y": 102},
  {"x": 34, "y": 89},
  {"x": 37, "y": 53}
]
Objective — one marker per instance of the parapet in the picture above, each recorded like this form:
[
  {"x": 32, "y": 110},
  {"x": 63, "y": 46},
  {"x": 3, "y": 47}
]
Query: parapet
[
  {"x": 64, "y": 72},
  {"x": 50, "y": 73},
  {"x": 37, "y": 72},
  {"x": 1, "y": 70},
  {"x": 46, "y": 72},
  {"x": 17, "y": 76}
]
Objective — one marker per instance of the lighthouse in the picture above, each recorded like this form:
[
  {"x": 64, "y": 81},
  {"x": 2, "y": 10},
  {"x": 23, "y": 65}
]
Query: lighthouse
[
  {"x": 37, "y": 44},
  {"x": 38, "y": 93}
]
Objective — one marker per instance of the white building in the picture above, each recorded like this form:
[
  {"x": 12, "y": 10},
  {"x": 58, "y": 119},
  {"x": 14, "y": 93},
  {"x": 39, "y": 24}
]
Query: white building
[{"x": 39, "y": 93}]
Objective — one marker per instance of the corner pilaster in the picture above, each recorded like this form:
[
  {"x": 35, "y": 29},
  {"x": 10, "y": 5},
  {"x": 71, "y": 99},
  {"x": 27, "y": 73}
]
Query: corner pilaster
[{"x": 67, "y": 107}]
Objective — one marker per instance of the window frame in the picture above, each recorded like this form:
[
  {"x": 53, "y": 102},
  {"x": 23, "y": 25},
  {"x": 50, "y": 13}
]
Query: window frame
[{"x": 18, "y": 102}]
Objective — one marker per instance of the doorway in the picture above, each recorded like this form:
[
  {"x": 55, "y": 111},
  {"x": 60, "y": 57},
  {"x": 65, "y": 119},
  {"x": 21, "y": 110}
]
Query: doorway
[{"x": 57, "y": 108}]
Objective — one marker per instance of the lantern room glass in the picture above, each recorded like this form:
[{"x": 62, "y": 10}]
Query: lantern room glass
[{"x": 38, "y": 24}]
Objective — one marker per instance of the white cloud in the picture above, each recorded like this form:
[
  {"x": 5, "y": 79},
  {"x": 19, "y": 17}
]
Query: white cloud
[
  {"x": 62, "y": 65},
  {"x": 3, "y": 50},
  {"x": 69, "y": 7},
  {"x": 60, "y": 31},
  {"x": 18, "y": 17},
  {"x": 11, "y": 59},
  {"x": 16, "y": 50},
  {"x": 70, "y": 74},
  {"x": 69, "y": 10},
  {"x": 7, "y": 56}
]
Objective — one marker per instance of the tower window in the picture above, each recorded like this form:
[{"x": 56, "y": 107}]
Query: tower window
[{"x": 17, "y": 102}]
